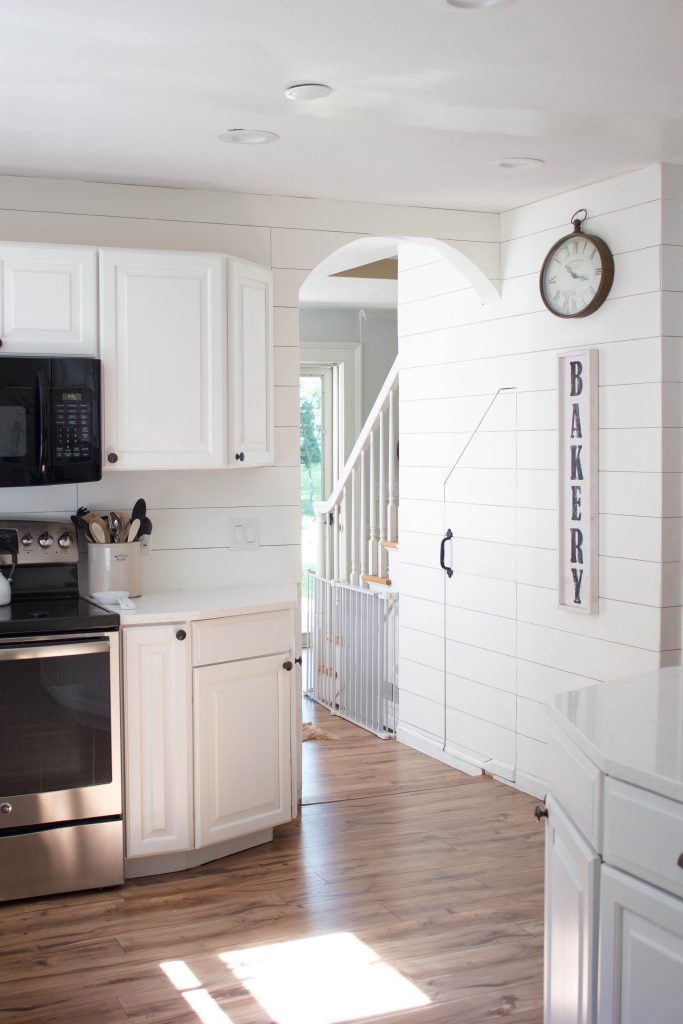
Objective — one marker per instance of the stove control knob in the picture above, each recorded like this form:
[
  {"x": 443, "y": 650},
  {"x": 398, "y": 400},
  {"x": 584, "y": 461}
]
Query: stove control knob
[
  {"x": 46, "y": 540},
  {"x": 27, "y": 540},
  {"x": 5, "y": 808},
  {"x": 64, "y": 540}
]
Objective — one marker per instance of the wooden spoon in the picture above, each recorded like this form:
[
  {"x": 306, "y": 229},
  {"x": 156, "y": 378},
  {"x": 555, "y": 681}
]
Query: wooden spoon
[
  {"x": 97, "y": 531},
  {"x": 133, "y": 528}
]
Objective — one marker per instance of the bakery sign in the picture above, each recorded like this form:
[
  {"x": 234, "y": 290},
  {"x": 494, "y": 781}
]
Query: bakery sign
[{"x": 578, "y": 480}]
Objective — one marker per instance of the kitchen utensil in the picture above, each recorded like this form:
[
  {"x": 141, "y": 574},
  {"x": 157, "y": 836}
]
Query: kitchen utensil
[
  {"x": 145, "y": 528},
  {"x": 115, "y": 527},
  {"x": 81, "y": 527},
  {"x": 139, "y": 509},
  {"x": 97, "y": 531},
  {"x": 132, "y": 532}
]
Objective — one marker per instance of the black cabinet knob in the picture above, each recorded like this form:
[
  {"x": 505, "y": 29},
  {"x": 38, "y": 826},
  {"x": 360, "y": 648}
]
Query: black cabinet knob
[
  {"x": 181, "y": 634},
  {"x": 287, "y": 666},
  {"x": 299, "y": 660},
  {"x": 0, "y": 342},
  {"x": 239, "y": 456},
  {"x": 112, "y": 457},
  {"x": 680, "y": 861},
  {"x": 540, "y": 813}
]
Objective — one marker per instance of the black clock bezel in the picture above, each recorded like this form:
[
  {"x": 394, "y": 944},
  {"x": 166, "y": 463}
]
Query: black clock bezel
[{"x": 606, "y": 278}]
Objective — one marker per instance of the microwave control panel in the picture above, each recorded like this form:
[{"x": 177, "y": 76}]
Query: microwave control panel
[{"x": 72, "y": 426}]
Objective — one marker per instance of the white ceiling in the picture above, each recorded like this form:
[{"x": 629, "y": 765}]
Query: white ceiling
[{"x": 425, "y": 95}]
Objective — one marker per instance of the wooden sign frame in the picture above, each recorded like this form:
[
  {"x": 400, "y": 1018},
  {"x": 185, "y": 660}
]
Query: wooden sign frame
[{"x": 578, "y": 496}]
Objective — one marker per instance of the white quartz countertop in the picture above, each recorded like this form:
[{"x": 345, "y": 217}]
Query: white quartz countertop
[
  {"x": 209, "y": 603},
  {"x": 631, "y": 729}
]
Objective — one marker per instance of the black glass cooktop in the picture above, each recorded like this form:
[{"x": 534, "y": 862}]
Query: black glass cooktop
[{"x": 50, "y": 615}]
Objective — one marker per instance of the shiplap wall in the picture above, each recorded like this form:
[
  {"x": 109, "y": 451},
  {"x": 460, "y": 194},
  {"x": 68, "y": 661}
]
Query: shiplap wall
[
  {"x": 192, "y": 511},
  {"x": 509, "y": 647}
]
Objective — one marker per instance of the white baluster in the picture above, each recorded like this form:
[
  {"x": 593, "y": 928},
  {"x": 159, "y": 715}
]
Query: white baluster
[
  {"x": 392, "y": 507},
  {"x": 382, "y": 494},
  {"x": 372, "y": 532},
  {"x": 346, "y": 535},
  {"x": 363, "y": 519},
  {"x": 336, "y": 543},
  {"x": 353, "y": 574}
]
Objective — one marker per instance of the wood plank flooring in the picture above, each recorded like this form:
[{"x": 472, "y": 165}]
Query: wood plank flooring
[{"x": 420, "y": 888}]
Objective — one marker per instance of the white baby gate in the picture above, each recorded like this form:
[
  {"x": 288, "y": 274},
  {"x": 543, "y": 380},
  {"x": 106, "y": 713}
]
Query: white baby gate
[{"x": 352, "y": 666}]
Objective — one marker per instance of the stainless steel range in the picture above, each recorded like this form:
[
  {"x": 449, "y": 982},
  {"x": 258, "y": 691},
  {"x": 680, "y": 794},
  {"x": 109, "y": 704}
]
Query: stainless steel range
[{"x": 61, "y": 823}]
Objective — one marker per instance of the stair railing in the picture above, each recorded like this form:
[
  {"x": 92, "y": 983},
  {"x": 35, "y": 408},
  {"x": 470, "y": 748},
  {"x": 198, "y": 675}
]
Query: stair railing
[{"x": 361, "y": 515}]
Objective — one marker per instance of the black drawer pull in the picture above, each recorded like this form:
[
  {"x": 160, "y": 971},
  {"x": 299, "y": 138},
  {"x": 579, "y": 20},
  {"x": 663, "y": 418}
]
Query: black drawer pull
[
  {"x": 680, "y": 861},
  {"x": 181, "y": 634},
  {"x": 540, "y": 813},
  {"x": 239, "y": 456},
  {"x": 287, "y": 666},
  {"x": 112, "y": 457},
  {"x": 299, "y": 660}
]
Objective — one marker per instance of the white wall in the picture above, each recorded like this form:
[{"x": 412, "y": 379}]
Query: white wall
[
  {"x": 191, "y": 511},
  {"x": 509, "y": 647}
]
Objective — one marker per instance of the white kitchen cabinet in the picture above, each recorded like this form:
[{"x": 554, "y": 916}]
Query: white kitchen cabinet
[
  {"x": 250, "y": 375},
  {"x": 641, "y": 952},
  {"x": 242, "y": 771},
  {"x": 572, "y": 871},
  {"x": 48, "y": 300},
  {"x": 163, "y": 347},
  {"x": 157, "y": 739}
]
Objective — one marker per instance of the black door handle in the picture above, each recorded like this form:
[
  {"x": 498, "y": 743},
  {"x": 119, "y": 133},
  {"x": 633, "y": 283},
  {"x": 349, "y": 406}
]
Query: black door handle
[{"x": 442, "y": 555}]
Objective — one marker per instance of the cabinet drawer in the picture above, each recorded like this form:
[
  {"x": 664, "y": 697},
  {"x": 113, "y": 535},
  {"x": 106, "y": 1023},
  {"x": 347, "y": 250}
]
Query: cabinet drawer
[
  {"x": 576, "y": 784},
  {"x": 644, "y": 835},
  {"x": 241, "y": 636}
]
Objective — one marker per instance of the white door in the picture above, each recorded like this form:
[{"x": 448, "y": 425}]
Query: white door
[
  {"x": 252, "y": 433},
  {"x": 641, "y": 952},
  {"x": 48, "y": 300},
  {"x": 242, "y": 748},
  {"x": 163, "y": 341},
  {"x": 157, "y": 739},
  {"x": 571, "y": 922}
]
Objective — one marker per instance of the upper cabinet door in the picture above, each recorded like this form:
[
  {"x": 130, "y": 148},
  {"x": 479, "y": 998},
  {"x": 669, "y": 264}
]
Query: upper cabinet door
[
  {"x": 252, "y": 433},
  {"x": 163, "y": 342},
  {"x": 48, "y": 300}
]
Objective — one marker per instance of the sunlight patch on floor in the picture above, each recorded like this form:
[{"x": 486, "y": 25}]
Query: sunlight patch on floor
[
  {"x": 322, "y": 980},
  {"x": 198, "y": 998}
]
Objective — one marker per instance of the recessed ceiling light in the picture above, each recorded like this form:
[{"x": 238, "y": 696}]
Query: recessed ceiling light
[
  {"x": 248, "y": 136},
  {"x": 303, "y": 92},
  {"x": 474, "y": 5},
  {"x": 517, "y": 163}
]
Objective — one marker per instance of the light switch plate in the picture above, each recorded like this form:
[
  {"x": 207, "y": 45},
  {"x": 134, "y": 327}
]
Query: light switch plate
[{"x": 244, "y": 534}]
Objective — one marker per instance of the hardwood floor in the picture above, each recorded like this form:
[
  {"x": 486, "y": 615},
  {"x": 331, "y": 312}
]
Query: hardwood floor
[{"x": 407, "y": 893}]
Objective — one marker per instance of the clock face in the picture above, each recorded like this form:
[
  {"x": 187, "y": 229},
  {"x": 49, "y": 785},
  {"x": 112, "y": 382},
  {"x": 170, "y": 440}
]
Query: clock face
[{"x": 576, "y": 276}]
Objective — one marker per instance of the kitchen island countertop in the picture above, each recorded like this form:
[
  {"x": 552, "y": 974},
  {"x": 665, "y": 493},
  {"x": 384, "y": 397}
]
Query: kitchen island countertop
[{"x": 631, "y": 729}]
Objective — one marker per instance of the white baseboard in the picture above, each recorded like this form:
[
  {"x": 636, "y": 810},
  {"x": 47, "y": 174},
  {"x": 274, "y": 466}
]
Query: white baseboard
[
  {"x": 161, "y": 864},
  {"x": 501, "y": 772}
]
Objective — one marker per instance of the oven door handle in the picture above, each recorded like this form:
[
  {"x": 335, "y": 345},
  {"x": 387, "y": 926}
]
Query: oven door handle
[{"x": 52, "y": 650}]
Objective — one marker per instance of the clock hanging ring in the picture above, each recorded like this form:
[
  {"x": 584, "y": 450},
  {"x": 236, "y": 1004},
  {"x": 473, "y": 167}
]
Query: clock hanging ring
[{"x": 577, "y": 273}]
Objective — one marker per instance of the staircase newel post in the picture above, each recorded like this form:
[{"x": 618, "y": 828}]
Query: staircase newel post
[
  {"x": 363, "y": 521},
  {"x": 382, "y": 559},
  {"x": 321, "y": 547},
  {"x": 392, "y": 508},
  {"x": 372, "y": 532}
]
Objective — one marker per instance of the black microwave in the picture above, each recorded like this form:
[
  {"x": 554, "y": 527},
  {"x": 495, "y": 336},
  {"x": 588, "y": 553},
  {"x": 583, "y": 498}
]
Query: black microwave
[{"x": 49, "y": 421}]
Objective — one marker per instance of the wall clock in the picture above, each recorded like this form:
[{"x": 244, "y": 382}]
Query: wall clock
[{"x": 577, "y": 273}]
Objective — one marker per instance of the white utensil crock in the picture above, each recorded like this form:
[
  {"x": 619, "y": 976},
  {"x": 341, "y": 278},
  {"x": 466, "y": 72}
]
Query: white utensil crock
[{"x": 114, "y": 567}]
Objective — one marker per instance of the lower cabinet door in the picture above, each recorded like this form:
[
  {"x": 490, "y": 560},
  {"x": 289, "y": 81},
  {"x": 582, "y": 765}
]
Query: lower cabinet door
[
  {"x": 641, "y": 952},
  {"x": 572, "y": 874},
  {"x": 242, "y": 748},
  {"x": 157, "y": 738}
]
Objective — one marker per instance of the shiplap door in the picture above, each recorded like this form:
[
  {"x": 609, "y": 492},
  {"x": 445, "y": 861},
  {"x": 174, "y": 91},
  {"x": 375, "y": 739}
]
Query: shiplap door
[
  {"x": 163, "y": 346},
  {"x": 157, "y": 739},
  {"x": 479, "y": 493},
  {"x": 251, "y": 397},
  {"x": 48, "y": 300},
  {"x": 242, "y": 745}
]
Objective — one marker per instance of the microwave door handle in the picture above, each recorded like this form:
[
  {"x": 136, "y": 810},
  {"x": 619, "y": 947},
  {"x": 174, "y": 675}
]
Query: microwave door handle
[{"x": 43, "y": 402}]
